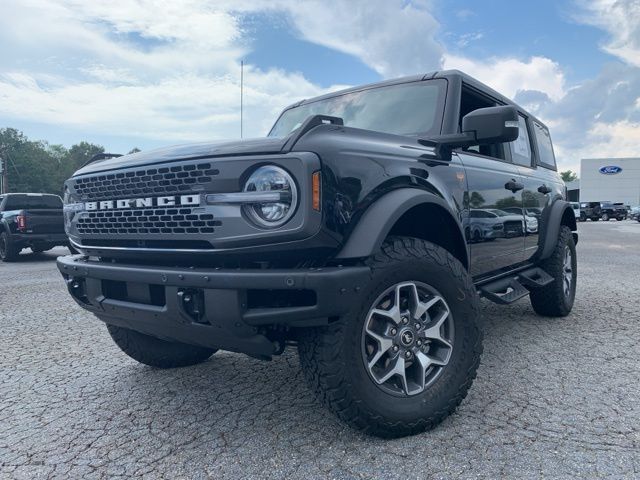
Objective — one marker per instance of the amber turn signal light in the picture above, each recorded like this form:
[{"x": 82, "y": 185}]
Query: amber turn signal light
[{"x": 315, "y": 190}]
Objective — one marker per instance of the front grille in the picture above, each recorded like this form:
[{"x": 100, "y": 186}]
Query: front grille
[
  {"x": 146, "y": 221},
  {"x": 148, "y": 181}
]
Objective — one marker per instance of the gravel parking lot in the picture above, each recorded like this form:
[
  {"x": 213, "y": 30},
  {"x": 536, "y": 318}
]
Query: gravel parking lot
[{"x": 553, "y": 398}]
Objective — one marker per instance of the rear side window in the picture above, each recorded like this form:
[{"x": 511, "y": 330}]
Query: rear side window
[
  {"x": 521, "y": 146},
  {"x": 545, "y": 149},
  {"x": 35, "y": 202}
]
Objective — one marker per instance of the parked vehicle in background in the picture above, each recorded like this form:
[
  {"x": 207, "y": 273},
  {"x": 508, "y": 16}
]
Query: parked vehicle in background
[
  {"x": 30, "y": 220},
  {"x": 590, "y": 210},
  {"x": 576, "y": 210},
  {"x": 348, "y": 232},
  {"x": 609, "y": 210},
  {"x": 634, "y": 213}
]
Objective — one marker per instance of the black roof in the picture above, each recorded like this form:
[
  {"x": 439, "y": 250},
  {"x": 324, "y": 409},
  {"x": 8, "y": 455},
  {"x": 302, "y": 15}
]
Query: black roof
[{"x": 468, "y": 79}]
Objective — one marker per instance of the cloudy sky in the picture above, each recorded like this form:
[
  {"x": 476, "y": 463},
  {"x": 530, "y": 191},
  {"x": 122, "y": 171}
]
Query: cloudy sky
[{"x": 147, "y": 73}]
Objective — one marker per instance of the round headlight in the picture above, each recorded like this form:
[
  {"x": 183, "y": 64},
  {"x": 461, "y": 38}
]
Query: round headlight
[{"x": 274, "y": 180}]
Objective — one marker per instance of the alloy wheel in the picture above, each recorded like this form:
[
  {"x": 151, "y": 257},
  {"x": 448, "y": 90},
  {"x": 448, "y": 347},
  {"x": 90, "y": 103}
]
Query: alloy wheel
[
  {"x": 567, "y": 272},
  {"x": 407, "y": 338}
]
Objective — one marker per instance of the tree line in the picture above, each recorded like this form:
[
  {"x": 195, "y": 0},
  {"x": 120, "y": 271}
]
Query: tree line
[{"x": 38, "y": 167}]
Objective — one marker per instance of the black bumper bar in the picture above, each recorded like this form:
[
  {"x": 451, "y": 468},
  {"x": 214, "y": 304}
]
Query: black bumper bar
[
  {"x": 37, "y": 238},
  {"x": 154, "y": 300}
]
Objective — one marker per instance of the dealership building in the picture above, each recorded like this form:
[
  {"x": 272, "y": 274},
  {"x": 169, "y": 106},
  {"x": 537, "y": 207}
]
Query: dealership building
[{"x": 610, "y": 179}]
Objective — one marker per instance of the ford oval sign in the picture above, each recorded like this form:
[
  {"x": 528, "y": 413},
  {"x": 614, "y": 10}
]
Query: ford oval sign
[{"x": 610, "y": 170}]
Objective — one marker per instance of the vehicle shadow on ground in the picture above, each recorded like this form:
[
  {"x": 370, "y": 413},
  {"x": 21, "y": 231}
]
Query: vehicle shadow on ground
[{"x": 233, "y": 397}]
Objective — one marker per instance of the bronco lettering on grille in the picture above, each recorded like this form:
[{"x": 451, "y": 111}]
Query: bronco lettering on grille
[{"x": 143, "y": 202}]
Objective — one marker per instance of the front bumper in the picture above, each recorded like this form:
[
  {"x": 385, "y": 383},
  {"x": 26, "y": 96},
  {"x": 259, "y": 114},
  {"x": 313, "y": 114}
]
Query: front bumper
[{"x": 152, "y": 300}]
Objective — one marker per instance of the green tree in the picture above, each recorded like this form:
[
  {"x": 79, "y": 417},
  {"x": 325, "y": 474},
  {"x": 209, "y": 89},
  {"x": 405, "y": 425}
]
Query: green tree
[
  {"x": 569, "y": 176},
  {"x": 36, "y": 166}
]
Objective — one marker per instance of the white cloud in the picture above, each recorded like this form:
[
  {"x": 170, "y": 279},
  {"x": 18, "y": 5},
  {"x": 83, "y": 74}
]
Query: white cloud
[
  {"x": 509, "y": 75},
  {"x": 621, "y": 20},
  {"x": 169, "y": 71},
  {"x": 393, "y": 37}
]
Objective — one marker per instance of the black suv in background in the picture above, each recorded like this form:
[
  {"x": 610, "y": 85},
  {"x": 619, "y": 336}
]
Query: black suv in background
[
  {"x": 362, "y": 230},
  {"x": 602, "y": 210},
  {"x": 609, "y": 210},
  {"x": 30, "y": 220}
]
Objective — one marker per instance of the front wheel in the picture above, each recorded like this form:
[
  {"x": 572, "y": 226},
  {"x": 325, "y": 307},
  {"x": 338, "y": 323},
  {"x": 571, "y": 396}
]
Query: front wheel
[
  {"x": 556, "y": 299},
  {"x": 155, "y": 352},
  {"x": 404, "y": 358},
  {"x": 605, "y": 217}
]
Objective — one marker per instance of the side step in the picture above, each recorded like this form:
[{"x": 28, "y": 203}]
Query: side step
[
  {"x": 511, "y": 289},
  {"x": 535, "y": 278}
]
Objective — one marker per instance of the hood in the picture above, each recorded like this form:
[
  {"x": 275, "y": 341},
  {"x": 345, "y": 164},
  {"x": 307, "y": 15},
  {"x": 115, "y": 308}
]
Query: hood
[{"x": 252, "y": 146}]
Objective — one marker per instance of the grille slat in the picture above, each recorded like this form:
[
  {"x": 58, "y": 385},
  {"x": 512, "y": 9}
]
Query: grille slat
[
  {"x": 148, "y": 181},
  {"x": 150, "y": 221}
]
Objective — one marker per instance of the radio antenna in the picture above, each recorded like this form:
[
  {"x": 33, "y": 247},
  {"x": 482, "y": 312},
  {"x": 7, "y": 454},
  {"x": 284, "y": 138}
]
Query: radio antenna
[{"x": 241, "y": 96}]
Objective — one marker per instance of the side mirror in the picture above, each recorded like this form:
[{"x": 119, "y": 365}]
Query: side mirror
[
  {"x": 492, "y": 124},
  {"x": 480, "y": 127}
]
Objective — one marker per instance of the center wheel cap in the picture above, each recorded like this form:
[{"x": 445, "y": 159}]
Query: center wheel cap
[{"x": 407, "y": 337}]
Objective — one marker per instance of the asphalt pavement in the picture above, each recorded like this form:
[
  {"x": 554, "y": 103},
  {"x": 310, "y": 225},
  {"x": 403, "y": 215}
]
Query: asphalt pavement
[{"x": 554, "y": 398}]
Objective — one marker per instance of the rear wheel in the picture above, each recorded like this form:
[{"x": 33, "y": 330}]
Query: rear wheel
[
  {"x": 155, "y": 352},
  {"x": 605, "y": 217},
  {"x": 556, "y": 299},
  {"x": 8, "y": 252},
  {"x": 404, "y": 358}
]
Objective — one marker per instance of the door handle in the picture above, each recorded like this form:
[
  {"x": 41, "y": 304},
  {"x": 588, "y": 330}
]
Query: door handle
[
  {"x": 544, "y": 189},
  {"x": 514, "y": 186}
]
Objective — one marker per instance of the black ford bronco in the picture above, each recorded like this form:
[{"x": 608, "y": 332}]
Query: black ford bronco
[{"x": 362, "y": 230}]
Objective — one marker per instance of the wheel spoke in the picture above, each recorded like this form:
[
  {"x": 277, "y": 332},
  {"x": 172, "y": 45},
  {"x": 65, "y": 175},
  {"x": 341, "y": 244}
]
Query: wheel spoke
[
  {"x": 384, "y": 344},
  {"x": 396, "y": 367},
  {"x": 392, "y": 314},
  {"x": 433, "y": 332},
  {"x": 418, "y": 308}
]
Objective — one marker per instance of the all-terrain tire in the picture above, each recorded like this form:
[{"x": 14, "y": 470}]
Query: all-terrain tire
[
  {"x": 552, "y": 300},
  {"x": 332, "y": 358},
  {"x": 8, "y": 252},
  {"x": 155, "y": 352}
]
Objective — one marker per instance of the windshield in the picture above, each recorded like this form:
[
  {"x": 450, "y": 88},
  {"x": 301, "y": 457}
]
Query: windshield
[
  {"x": 35, "y": 202},
  {"x": 404, "y": 109}
]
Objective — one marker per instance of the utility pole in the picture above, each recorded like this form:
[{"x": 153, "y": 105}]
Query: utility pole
[
  {"x": 241, "y": 96},
  {"x": 4, "y": 172}
]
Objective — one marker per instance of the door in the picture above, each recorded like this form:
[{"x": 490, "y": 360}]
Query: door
[
  {"x": 494, "y": 226},
  {"x": 541, "y": 182}
]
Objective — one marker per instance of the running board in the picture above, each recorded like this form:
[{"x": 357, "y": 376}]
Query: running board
[
  {"x": 535, "y": 278},
  {"x": 511, "y": 289}
]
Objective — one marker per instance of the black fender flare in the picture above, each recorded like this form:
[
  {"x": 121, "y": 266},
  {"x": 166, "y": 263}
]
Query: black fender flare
[
  {"x": 378, "y": 220},
  {"x": 552, "y": 223},
  {"x": 4, "y": 227}
]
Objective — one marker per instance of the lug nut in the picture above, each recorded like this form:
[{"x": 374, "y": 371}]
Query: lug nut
[
  {"x": 419, "y": 343},
  {"x": 395, "y": 348},
  {"x": 407, "y": 354},
  {"x": 405, "y": 320},
  {"x": 417, "y": 325},
  {"x": 394, "y": 331}
]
